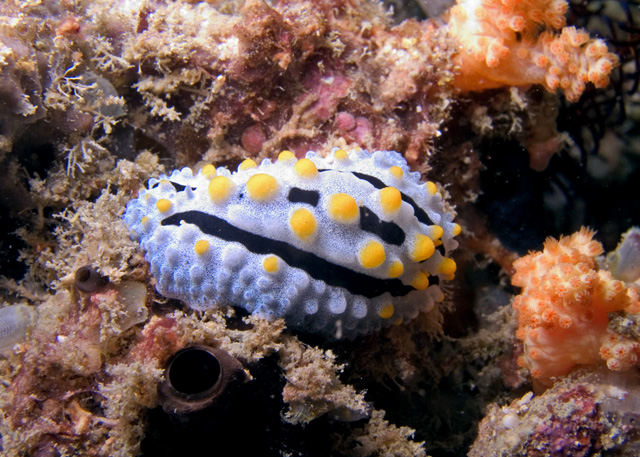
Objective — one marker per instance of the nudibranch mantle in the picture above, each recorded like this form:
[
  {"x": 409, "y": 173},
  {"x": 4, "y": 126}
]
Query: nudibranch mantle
[{"x": 337, "y": 246}]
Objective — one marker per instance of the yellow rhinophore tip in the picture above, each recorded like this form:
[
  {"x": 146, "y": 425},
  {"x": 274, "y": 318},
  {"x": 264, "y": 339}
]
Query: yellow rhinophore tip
[
  {"x": 262, "y": 187},
  {"x": 305, "y": 168},
  {"x": 201, "y": 247},
  {"x": 208, "y": 171},
  {"x": 163, "y": 205},
  {"x": 420, "y": 281},
  {"x": 286, "y": 156},
  {"x": 246, "y": 164},
  {"x": 390, "y": 199},
  {"x": 386, "y": 312},
  {"x": 343, "y": 208},
  {"x": 303, "y": 223},
  {"x": 270, "y": 264},
  {"x": 423, "y": 248},
  {"x": 372, "y": 255},
  {"x": 220, "y": 189}
]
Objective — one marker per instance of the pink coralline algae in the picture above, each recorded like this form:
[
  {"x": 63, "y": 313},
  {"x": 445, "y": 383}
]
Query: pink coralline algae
[
  {"x": 574, "y": 435},
  {"x": 587, "y": 414}
]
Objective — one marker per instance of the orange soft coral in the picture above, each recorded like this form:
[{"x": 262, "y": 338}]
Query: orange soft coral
[
  {"x": 520, "y": 42},
  {"x": 563, "y": 309}
]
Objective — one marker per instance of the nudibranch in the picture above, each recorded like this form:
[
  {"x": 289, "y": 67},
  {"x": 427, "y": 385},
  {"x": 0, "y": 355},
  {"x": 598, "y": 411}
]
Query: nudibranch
[{"x": 338, "y": 246}]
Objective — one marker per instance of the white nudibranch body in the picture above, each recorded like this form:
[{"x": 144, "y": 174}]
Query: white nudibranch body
[
  {"x": 338, "y": 246},
  {"x": 15, "y": 322}
]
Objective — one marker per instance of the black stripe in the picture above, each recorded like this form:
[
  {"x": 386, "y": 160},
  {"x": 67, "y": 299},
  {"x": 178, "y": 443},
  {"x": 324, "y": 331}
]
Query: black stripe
[
  {"x": 390, "y": 232},
  {"x": 178, "y": 187},
  {"x": 420, "y": 214},
  {"x": 297, "y": 195},
  {"x": 316, "y": 267}
]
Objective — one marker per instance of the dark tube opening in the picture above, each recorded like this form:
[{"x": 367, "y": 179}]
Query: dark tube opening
[
  {"x": 193, "y": 371},
  {"x": 87, "y": 279}
]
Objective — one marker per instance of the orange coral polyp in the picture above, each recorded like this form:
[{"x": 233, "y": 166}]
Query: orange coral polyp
[
  {"x": 518, "y": 23},
  {"x": 549, "y": 315},
  {"x": 565, "y": 322},
  {"x": 614, "y": 364}
]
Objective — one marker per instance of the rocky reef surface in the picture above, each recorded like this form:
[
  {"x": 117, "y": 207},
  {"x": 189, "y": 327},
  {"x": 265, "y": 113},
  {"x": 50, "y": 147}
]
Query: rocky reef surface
[{"x": 524, "y": 113}]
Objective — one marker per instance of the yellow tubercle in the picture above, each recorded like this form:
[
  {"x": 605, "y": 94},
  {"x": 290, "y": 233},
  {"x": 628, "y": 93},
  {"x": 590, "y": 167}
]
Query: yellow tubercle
[
  {"x": 372, "y": 255},
  {"x": 396, "y": 269},
  {"x": 396, "y": 172},
  {"x": 262, "y": 187},
  {"x": 447, "y": 267},
  {"x": 420, "y": 280},
  {"x": 201, "y": 247},
  {"x": 247, "y": 164},
  {"x": 220, "y": 189},
  {"x": 271, "y": 264},
  {"x": 456, "y": 229},
  {"x": 163, "y": 205},
  {"x": 286, "y": 156},
  {"x": 341, "y": 154},
  {"x": 343, "y": 208},
  {"x": 305, "y": 168},
  {"x": 436, "y": 232},
  {"x": 390, "y": 199},
  {"x": 387, "y": 311},
  {"x": 303, "y": 223},
  {"x": 431, "y": 188},
  {"x": 423, "y": 248},
  {"x": 208, "y": 171}
]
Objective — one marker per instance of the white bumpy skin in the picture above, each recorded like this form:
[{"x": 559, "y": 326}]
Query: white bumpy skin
[{"x": 337, "y": 246}]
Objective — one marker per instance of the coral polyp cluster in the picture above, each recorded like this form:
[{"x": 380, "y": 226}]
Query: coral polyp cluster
[
  {"x": 512, "y": 43},
  {"x": 563, "y": 310}
]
